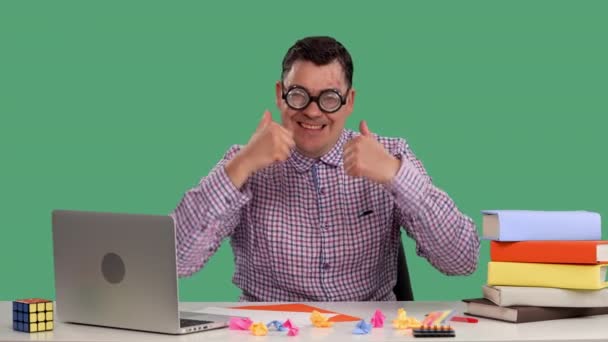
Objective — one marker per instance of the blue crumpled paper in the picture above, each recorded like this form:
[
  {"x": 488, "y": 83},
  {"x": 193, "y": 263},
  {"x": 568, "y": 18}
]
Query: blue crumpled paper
[{"x": 362, "y": 328}]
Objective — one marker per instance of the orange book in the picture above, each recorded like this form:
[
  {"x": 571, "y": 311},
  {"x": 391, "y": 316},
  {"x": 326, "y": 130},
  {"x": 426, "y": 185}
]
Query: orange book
[{"x": 550, "y": 252}]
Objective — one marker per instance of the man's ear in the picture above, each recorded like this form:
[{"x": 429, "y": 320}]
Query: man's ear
[
  {"x": 350, "y": 102},
  {"x": 278, "y": 94}
]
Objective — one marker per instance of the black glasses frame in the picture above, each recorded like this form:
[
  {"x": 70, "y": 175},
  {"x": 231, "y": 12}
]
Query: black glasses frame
[{"x": 315, "y": 98}]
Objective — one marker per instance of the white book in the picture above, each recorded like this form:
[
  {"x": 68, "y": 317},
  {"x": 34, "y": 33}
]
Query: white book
[{"x": 545, "y": 296}]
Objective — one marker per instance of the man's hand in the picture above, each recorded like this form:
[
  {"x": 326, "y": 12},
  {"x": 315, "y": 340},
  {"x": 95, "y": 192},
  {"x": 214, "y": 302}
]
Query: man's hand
[
  {"x": 365, "y": 157},
  {"x": 270, "y": 143}
]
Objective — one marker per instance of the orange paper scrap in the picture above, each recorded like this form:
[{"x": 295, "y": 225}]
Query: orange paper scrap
[{"x": 298, "y": 307}]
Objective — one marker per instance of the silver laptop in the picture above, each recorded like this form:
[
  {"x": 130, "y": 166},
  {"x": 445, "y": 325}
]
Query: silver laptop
[{"x": 119, "y": 270}]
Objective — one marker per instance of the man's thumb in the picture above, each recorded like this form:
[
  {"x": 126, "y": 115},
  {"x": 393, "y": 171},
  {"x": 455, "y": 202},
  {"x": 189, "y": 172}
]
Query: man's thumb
[
  {"x": 266, "y": 119},
  {"x": 364, "y": 129}
]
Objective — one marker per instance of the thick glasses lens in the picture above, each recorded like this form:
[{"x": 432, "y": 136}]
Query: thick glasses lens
[
  {"x": 330, "y": 101},
  {"x": 297, "y": 98}
]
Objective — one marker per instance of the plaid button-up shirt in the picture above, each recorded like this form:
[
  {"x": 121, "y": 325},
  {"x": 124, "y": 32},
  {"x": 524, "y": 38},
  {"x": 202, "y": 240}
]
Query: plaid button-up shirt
[{"x": 303, "y": 230}]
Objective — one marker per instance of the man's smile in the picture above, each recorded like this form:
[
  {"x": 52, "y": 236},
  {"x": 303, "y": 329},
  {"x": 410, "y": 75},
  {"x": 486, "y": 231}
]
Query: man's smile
[{"x": 311, "y": 126}]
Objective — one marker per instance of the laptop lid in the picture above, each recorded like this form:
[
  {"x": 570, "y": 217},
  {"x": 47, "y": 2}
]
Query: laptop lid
[{"x": 116, "y": 270}]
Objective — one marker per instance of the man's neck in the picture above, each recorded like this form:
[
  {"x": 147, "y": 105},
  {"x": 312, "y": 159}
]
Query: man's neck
[{"x": 319, "y": 154}]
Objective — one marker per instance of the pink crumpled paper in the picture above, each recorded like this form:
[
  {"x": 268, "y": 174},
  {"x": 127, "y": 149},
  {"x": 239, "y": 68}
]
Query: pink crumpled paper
[
  {"x": 239, "y": 323},
  {"x": 378, "y": 319},
  {"x": 293, "y": 330}
]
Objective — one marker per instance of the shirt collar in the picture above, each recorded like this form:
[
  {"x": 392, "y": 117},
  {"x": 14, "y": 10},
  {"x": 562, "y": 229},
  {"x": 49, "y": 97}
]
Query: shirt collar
[{"x": 333, "y": 157}]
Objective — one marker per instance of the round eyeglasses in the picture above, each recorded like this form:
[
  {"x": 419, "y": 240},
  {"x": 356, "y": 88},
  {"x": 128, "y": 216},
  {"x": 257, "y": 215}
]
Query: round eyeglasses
[{"x": 329, "y": 100}]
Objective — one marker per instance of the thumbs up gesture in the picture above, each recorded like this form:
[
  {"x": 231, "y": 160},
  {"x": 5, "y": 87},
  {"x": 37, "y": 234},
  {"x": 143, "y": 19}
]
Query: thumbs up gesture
[
  {"x": 365, "y": 157},
  {"x": 269, "y": 143}
]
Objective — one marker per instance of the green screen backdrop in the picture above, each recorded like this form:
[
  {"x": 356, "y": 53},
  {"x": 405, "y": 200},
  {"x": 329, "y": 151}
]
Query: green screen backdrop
[{"x": 123, "y": 106}]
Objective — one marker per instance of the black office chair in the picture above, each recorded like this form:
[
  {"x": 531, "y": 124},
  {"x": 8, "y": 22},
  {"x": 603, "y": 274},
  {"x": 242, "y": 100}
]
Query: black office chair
[{"x": 403, "y": 288}]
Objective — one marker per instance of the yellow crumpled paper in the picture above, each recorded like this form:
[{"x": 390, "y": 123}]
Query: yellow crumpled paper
[
  {"x": 259, "y": 329},
  {"x": 404, "y": 322},
  {"x": 319, "y": 320}
]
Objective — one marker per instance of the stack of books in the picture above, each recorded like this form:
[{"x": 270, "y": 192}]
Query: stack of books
[{"x": 544, "y": 265}]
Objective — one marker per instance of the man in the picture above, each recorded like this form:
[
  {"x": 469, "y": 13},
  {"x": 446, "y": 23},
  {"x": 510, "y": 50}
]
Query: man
[{"x": 314, "y": 210}]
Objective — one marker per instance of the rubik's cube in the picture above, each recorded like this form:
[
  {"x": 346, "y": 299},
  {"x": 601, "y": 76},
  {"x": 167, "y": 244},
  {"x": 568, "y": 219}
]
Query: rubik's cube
[{"x": 33, "y": 315}]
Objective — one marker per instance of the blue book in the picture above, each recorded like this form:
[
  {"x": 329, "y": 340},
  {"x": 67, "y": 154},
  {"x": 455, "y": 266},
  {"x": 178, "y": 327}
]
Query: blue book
[{"x": 524, "y": 225}]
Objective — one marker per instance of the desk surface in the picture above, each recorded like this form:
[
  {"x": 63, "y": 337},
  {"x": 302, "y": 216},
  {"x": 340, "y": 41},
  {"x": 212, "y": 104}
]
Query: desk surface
[{"x": 577, "y": 329}]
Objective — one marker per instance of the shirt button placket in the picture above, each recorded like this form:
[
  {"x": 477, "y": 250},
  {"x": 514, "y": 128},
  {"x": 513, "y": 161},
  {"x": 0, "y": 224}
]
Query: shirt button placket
[{"x": 325, "y": 266}]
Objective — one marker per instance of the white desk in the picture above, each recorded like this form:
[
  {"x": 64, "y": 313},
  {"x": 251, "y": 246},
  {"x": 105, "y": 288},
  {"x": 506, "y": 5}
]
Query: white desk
[{"x": 577, "y": 329}]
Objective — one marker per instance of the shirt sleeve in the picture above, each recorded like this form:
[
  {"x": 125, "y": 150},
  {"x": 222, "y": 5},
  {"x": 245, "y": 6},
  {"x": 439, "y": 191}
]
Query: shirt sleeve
[
  {"x": 444, "y": 236},
  {"x": 206, "y": 215}
]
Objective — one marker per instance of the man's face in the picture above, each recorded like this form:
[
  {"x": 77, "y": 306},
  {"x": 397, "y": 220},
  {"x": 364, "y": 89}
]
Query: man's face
[{"x": 315, "y": 132}]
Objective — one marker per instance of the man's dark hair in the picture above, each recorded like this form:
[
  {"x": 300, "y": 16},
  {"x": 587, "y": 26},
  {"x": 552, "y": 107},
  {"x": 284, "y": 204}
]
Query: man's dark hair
[{"x": 320, "y": 51}]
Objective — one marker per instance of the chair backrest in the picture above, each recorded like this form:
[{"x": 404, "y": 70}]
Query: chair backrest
[{"x": 403, "y": 288}]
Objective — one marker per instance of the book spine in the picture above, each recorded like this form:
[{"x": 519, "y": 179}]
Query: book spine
[
  {"x": 522, "y": 233},
  {"x": 522, "y": 226},
  {"x": 545, "y": 296},
  {"x": 550, "y": 252},
  {"x": 545, "y": 275}
]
